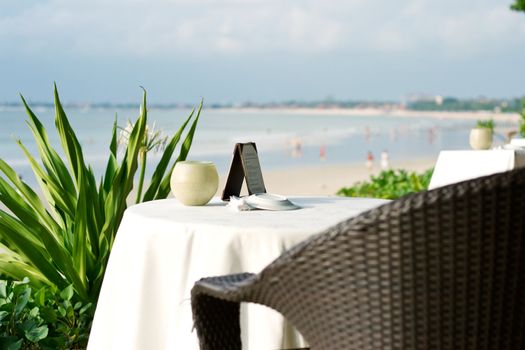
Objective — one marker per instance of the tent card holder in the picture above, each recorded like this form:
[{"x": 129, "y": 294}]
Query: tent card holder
[{"x": 245, "y": 165}]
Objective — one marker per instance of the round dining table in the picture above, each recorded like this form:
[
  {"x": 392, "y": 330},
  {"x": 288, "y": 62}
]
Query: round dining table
[{"x": 162, "y": 247}]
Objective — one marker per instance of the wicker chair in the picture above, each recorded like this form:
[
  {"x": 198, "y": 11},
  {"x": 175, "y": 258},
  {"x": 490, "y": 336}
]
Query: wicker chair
[{"x": 442, "y": 269}]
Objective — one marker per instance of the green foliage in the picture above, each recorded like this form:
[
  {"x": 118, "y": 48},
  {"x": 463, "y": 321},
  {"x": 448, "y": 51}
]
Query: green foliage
[
  {"x": 389, "y": 184},
  {"x": 522, "y": 116},
  {"x": 455, "y": 104},
  {"x": 63, "y": 237},
  {"x": 486, "y": 124},
  {"x": 47, "y": 319},
  {"x": 519, "y": 5}
]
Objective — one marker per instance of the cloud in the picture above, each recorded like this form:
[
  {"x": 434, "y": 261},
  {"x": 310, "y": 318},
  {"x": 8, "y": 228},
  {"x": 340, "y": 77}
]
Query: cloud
[
  {"x": 481, "y": 31},
  {"x": 238, "y": 27}
]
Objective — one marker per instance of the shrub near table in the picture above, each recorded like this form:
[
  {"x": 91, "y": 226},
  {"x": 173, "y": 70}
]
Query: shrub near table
[
  {"x": 45, "y": 319},
  {"x": 64, "y": 236},
  {"x": 390, "y": 184}
]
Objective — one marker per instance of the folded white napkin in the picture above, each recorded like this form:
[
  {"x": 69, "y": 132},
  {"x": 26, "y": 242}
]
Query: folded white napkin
[
  {"x": 265, "y": 201},
  {"x": 239, "y": 204}
]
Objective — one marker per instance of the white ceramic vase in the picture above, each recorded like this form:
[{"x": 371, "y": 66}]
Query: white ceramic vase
[
  {"x": 480, "y": 138},
  {"x": 194, "y": 182}
]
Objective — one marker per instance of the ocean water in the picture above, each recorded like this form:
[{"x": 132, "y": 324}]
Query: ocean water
[{"x": 284, "y": 139}]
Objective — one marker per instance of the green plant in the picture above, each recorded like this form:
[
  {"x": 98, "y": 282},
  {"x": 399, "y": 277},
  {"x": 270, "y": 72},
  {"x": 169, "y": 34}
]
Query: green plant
[
  {"x": 68, "y": 318},
  {"x": 20, "y": 323},
  {"x": 486, "y": 124},
  {"x": 389, "y": 184},
  {"x": 522, "y": 119},
  {"x": 47, "y": 319},
  {"x": 518, "y": 5},
  {"x": 154, "y": 140},
  {"x": 64, "y": 236}
]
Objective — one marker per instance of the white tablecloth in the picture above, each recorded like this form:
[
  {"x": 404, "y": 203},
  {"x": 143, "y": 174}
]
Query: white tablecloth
[
  {"x": 456, "y": 166},
  {"x": 163, "y": 247}
]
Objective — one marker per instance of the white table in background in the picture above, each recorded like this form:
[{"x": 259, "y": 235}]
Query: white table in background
[
  {"x": 456, "y": 166},
  {"x": 163, "y": 247}
]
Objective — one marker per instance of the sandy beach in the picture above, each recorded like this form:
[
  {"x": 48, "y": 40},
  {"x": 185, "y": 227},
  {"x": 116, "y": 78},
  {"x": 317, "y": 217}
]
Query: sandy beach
[
  {"x": 327, "y": 179},
  {"x": 384, "y": 112}
]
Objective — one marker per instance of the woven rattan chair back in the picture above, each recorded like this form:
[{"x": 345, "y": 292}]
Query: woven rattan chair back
[{"x": 443, "y": 269}]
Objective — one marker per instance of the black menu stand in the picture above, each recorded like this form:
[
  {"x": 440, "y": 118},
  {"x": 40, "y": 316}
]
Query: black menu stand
[{"x": 245, "y": 165}]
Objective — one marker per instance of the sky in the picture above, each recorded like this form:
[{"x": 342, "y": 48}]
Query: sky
[{"x": 259, "y": 50}]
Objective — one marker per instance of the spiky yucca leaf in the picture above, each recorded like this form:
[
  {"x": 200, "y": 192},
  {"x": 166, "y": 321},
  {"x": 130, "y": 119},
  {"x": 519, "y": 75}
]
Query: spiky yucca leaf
[
  {"x": 164, "y": 188},
  {"x": 156, "y": 189},
  {"x": 64, "y": 236}
]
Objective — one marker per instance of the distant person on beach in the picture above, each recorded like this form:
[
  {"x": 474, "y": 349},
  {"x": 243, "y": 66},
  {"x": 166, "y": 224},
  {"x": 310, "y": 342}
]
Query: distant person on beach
[
  {"x": 385, "y": 163},
  {"x": 297, "y": 147},
  {"x": 369, "y": 161},
  {"x": 322, "y": 152}
]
